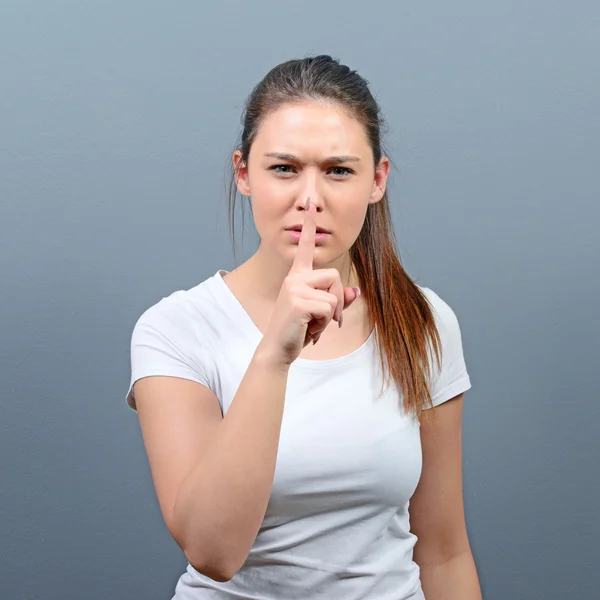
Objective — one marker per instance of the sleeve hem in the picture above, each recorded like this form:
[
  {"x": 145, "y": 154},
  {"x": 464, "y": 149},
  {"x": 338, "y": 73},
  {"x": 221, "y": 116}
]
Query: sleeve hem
[
  {"x": 458, "y": 387},
  {"x": 130, "y": 398}
]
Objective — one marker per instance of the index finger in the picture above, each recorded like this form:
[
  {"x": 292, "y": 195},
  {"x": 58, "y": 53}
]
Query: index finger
[{"x": 303, "y": 261}]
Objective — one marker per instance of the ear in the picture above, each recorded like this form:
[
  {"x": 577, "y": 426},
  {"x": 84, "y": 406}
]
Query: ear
[
  {"x": 379, "y": 184},
  {"x": 241, "y": 174}
]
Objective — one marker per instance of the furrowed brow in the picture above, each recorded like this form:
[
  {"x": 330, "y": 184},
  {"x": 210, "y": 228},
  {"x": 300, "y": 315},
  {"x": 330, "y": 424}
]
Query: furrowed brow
[{"x": 328, "y": 160}]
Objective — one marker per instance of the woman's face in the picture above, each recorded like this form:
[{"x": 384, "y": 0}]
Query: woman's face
[{"x": 311, "y": 149}]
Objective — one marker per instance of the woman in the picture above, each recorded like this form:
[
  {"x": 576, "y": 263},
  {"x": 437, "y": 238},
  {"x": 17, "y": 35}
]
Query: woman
[{"x": 286, "y": 405}]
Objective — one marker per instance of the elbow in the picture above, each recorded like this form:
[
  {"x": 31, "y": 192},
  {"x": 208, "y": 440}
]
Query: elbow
[
  {"x": 213, "y": 569},
  {"x": 209, "y": 564},
  {"x": 207, "y": 557},
  {"x": 220, "y": 575}
]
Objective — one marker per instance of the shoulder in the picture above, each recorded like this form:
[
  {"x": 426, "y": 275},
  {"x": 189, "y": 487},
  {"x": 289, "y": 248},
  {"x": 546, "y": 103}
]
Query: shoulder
[
  {"x": 185, "y": 320},
  {"x": 175, "y": 337},
  {"x": 444, "y": 314}
]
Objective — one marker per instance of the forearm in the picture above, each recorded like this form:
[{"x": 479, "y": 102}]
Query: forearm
[
  {"x": 454, "y": 579},
  {"x": 222, "y": 502}
]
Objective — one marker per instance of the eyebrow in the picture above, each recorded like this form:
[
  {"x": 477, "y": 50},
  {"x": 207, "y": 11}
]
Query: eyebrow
[{"x": 329, "y": 159}]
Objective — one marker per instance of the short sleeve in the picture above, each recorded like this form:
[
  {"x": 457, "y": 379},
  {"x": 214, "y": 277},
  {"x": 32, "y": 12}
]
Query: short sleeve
[
  {"x": 162, "y": 344},
  {"x": 452, "y": 378}
]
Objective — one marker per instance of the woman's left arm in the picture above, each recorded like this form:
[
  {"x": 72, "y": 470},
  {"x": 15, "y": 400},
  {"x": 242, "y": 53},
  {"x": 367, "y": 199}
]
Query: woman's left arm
[{"x": 437, "y": 515}]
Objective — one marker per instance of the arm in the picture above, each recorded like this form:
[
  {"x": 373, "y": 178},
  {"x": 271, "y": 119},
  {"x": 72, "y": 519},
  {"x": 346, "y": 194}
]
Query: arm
[
  {"x": 437, "y": 517},
  {"x": 213, "y": 475}
]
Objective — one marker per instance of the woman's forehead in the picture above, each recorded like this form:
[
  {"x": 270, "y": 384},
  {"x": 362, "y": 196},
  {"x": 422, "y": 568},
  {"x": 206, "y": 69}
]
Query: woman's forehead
[{"x": 298, "y": 128}]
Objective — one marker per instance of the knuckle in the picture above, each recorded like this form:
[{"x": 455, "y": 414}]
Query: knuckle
[
  {"x": 296, "y": 304},
  {"x": 325, "y": 308}
]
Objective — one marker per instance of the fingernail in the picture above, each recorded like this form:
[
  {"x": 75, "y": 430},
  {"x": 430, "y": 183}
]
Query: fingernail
[
  {"x": 307, "y": 203},
  {"x": 341, "y": 320},
  {"x": 357, "y": 290}
]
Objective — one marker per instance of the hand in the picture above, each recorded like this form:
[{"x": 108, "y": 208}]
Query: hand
[{"x": 307, "y": 301}]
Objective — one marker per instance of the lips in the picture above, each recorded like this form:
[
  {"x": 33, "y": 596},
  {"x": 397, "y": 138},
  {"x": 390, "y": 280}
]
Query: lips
[{"x": 299, "y": 228}]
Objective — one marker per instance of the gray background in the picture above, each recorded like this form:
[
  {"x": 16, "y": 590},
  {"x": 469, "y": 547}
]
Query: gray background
[{"x": 117, "y": 120}]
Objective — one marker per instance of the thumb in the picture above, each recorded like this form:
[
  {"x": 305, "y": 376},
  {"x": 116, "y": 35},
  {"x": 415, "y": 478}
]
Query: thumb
[{"x": 350, "y": 295}]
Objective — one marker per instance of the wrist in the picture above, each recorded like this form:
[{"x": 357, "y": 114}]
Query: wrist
[{"x": 265, "y": 358}]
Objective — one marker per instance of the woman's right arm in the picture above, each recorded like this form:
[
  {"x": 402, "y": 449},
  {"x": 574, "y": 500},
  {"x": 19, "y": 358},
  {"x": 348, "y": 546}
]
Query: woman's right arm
[
  {"x": 213, "y": 475},
  {"x": 222, "y": 501}
]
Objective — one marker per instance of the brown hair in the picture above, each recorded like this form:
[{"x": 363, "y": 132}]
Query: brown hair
[{"x": 400, "y": 312}]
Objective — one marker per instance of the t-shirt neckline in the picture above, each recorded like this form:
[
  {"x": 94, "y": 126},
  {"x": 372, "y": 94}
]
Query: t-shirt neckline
[{"x": 303, "y": 363}]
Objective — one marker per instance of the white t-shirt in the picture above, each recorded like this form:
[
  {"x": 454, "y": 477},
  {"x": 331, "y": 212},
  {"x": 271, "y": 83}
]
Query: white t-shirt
[{"x": 337, "y": 522}]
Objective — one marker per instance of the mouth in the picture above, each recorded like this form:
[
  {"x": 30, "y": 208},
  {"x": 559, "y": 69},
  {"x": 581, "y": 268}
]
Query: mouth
[{"x": 298, "y": 228}]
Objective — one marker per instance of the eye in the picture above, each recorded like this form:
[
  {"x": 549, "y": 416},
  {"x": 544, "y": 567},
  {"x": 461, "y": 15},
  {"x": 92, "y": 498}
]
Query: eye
[
  {"x": 342, "y": 171},
  {"x": 277, "y": 168}
]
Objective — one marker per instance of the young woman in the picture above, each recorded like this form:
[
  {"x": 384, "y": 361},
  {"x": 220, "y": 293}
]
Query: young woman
[{"x": 286, "y": 406}]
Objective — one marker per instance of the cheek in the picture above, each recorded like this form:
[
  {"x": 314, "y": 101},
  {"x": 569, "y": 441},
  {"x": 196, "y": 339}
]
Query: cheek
[
  {"x": 264, "y": 189},
  {"x": 268, "y": 209},
  {"x": 354, "y": 219}
]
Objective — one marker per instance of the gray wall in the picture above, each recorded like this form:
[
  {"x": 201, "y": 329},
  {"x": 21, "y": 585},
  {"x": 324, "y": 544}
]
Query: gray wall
[{"x": 116, "y": 124}]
